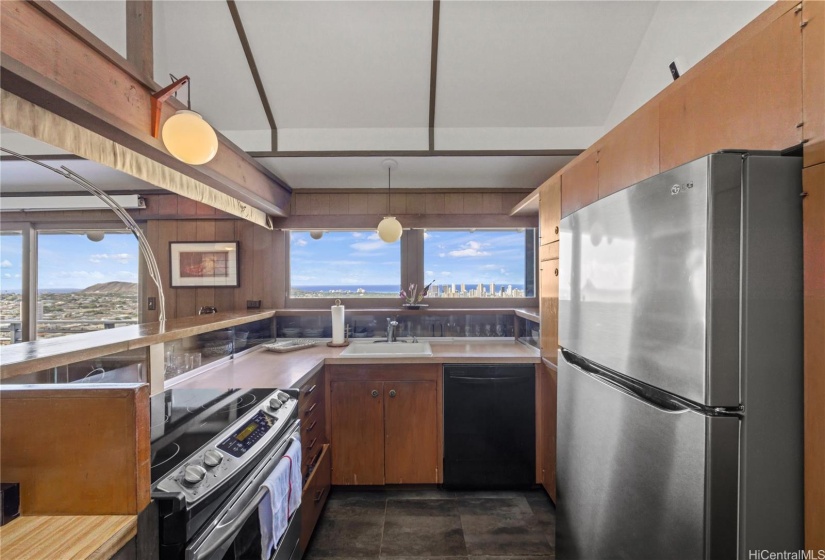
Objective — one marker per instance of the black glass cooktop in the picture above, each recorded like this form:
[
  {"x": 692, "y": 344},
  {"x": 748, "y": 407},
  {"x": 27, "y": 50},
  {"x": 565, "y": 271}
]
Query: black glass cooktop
[{"x": 184, "y": 420}]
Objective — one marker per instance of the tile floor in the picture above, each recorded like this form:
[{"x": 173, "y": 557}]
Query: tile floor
[{"x": 431, "y": 523}]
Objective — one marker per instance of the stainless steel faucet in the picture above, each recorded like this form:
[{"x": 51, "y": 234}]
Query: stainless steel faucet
[{"x": 391, "y": 332}]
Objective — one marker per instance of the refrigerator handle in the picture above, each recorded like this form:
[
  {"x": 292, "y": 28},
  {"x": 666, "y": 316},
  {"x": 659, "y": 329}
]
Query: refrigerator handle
[{"x": 658, "y": 399}]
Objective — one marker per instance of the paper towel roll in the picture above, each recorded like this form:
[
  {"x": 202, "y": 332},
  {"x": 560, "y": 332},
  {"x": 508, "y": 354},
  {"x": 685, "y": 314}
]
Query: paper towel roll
[{"x": 337, "y": 323}]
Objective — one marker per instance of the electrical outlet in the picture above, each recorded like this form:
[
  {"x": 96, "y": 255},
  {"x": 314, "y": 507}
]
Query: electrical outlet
[
  {"x": 152, "y": 304},
  {"x": 253, "y": 304}
]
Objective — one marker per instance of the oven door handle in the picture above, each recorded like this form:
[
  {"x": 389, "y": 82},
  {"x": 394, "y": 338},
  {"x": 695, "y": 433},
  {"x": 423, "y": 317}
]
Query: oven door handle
[{"x": 230, "y": 522}]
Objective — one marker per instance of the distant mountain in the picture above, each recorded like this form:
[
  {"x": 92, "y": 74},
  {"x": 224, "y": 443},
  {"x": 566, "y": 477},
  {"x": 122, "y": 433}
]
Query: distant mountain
[{"x": 111, "y": 288}]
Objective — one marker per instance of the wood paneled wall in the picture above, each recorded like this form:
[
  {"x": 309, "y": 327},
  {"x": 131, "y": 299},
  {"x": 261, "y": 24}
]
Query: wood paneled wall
[
  {"x": 262, "y": 261},
  {"x": 763, "y": 89},
  {"x": 77, "y": 451}
]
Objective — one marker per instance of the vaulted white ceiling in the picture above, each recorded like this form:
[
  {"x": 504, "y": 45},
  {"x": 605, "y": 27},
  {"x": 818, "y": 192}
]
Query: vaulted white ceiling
[{"x": 354, "y": 75}]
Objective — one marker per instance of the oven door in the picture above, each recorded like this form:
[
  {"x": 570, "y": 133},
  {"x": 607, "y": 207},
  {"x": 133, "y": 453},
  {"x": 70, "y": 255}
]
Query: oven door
[{"x": 234, "y": 533}]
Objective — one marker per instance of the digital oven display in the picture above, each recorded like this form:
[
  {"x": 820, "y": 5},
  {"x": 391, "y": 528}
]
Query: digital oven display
[{"x": 245, "y": 438}]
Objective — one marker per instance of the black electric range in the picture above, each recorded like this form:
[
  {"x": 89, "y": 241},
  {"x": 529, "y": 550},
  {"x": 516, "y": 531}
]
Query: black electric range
[{"x": 204, "y": 444}]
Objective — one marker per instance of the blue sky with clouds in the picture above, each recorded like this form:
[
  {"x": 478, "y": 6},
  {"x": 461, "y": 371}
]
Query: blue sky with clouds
[
  {"x": 356, "y": 259},
  {"x": 71, "y": 260}
]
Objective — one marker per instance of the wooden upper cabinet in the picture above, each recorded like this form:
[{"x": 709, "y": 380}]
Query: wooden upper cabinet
[
  {"x": 630, "y": 152},
  {"x": 550, "y": 210},
  {"x": 813, "y": 81},
  {"x": 357, "y": 420},
  {"x": 751, "y": 98},
  {"x": 580, "y": 184},
  {"x": 410, "y": 432},
  {"x": 549, "y": 312}
]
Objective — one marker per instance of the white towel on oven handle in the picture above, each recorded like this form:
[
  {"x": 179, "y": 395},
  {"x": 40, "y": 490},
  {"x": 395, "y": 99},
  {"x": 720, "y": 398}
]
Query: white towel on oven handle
[
  {"x": 296, "y": 477},
  {"x": 273, "y": 511}
]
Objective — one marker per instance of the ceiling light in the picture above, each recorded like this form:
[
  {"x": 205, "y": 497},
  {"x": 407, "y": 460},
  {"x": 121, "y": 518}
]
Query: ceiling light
[
  {"x": 316, "y": 234},
  {"x": 186, "y": 135},
  {"x": 95, "y": 236},
  {"x": 389, "y": 229}
]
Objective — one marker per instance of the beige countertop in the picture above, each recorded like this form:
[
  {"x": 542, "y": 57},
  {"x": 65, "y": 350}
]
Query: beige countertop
[
  {"x": 269, "y": 369},
  {"x": 27, "y": 357},
  {"x": 66, "y": 537}
]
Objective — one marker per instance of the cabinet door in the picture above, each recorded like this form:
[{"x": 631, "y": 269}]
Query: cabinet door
[
  {"x": 550, "y": 210},
  {"x": 411, "y": 436},
  {"x": 630, "y": 152},
  {"x": 549, "y": 382},
  {"x": 549, "y": 312},
  {"x": 357, "y": 421},
  {"x": 580, "y": 183}
]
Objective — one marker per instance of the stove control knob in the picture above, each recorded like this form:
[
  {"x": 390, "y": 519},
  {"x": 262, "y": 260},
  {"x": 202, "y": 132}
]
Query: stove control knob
[
  {"x": 275, "y": 404},
  {"x": 283, "y": 397},
  {"x": 193, "y": 475},
  {"x": 212, "y": 458}
]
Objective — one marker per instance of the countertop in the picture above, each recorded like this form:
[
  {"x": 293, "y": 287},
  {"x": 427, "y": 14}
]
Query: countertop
[
  {"x": 66, "y": 537},
  {"x": 261, "y": 368},
  {"x": 28, "y": 357}
]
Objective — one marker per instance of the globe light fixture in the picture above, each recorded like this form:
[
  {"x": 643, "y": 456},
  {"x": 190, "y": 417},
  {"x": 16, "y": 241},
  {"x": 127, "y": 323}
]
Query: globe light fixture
[
  {"x": 389, "y": 229},
  {"x": 316, "y": 234},
  {"x": 95, "y": 236},
  {"x": 186, "y": 135}
]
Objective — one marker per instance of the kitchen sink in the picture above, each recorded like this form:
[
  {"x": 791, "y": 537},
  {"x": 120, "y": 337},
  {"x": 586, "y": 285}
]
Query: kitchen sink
[{"x": 388, "y": 350}]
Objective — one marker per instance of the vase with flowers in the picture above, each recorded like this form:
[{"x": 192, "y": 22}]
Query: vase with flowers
[{"x": 413, "y": 298}]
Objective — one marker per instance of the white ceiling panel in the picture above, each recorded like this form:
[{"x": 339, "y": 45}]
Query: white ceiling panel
[
  {"x": 20, "y": 176},
  {"x": 534, "y": 64},
  {"x": 198, "y": 39},
  {"x": 343, "y": 65},
  {"x": 26, "y": 145},
  {"x": 499, "y": 172},
  {"x": 104, "y": 18}
]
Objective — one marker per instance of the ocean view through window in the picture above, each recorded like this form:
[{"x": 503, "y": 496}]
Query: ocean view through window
[
  {"x": 480, "y": 263},
  {"x": 343, "y": 264}
]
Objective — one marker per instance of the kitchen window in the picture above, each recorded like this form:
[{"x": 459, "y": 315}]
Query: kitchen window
[
  {"x": 480, "y": 263},
  {"x": 343, "y": 264}
]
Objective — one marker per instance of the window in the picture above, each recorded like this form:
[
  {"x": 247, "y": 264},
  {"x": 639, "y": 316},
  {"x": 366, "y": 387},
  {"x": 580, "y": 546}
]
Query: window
[
  {"x": 343, "y": 264},
  {"x": 480, "y": 263},
  {"x": 11, "y": 286},
  {"x": 85, "y": 281}
]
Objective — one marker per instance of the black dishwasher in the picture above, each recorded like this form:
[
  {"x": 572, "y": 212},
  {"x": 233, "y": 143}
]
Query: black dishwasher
[{"x": 489, "y": 426}]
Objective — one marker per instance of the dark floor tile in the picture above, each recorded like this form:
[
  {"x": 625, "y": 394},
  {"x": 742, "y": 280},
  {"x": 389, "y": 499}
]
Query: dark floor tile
[
  {"x": 346, "y": 537},
  {"x": 550, "y": 556},
  {"x": 500, "y": 535},
  {"x": 418, "y": 507},
  {"x": 423, "y": 536},
  {"x": 494, "y": 494},
  {"x": 355, "y": 504},
  {"x": 419, "y": 492},
  {"x": 515, "y": 505}
]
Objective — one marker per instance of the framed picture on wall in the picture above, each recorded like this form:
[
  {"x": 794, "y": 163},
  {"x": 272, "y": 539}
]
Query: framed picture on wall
[{"x": 204, "y": 264}]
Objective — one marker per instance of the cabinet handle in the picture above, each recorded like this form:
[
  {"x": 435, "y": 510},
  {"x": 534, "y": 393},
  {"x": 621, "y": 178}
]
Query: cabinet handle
[
  {"x": 319, "y": 495},
  {"x": 393, "y": 393},
  {"x": 557, "y": 230},
  {"x": 556, "y": 272},
  {"x": 374, "y": 393},
  {"x": 311, "y": 389},
  {"x": 310, "y": 409},
  {"x": 311, "y": 444},
  {"x": 311, "y": 426}
]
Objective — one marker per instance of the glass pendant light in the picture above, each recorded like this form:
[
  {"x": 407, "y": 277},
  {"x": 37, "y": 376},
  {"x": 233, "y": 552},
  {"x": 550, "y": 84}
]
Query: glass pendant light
[{"x": 389, "y": 229}]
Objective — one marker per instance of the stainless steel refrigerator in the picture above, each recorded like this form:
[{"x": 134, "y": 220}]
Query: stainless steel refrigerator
[{"x": 680, "y": 365}]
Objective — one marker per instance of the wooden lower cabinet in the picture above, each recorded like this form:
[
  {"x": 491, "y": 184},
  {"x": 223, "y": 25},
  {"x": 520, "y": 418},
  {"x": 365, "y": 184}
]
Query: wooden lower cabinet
[
  {"x": 384, "y": 423},
  {"x": 411, "y": 441},
  {"x": 316, "y": 492},
  {"x": 548, "y": 385},
  {"x": 357, "y": 426}
]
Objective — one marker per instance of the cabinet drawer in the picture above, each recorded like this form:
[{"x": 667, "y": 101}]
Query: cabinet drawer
[
  {"x": 311, "y": 403},
  {"x": 312, "y": 448},
  {"x": 316, "y": 491},
  {"x": 314, "y": 425}
]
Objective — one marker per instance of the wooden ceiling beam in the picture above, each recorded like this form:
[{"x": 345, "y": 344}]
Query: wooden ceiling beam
[
  {"x": 98, "y": 89},
  {"x": 417, "y": 153},
  {"x": 139, "y": 36}
]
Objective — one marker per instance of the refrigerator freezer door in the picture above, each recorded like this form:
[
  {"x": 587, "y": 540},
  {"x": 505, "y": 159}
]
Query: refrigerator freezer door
[
  {"x": 638, "y": 482},
  {"x": 636, "y": 289}
]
